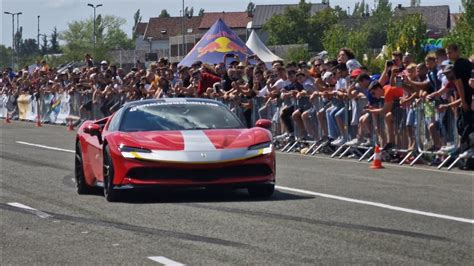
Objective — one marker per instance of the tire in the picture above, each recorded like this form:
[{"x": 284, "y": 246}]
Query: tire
[
  {"x": 261, "y": 191},
  {"x": 110, "y": 194},
  {"x": 82, "y": 188}
]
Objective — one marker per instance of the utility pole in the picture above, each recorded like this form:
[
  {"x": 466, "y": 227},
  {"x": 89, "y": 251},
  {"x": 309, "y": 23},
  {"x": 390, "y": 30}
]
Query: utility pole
[
  {"x": 13, "y": 34},
  {"x": 38, "y": 36},
  {"x": 182, "y": 32},
  {"x": 94, "y": 7}
]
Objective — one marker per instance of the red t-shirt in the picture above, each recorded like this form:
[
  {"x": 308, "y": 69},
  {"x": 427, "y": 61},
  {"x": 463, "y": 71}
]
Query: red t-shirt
[
  {"x": 392, "y": 93},
  {"x": 207, "y": 80}
]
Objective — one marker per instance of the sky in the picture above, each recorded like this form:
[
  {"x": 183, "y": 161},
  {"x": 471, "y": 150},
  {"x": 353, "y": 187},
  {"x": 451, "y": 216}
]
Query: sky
[{"x": 58, "y": 13}]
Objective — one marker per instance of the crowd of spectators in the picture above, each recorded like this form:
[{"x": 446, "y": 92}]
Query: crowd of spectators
[{"x": 334, "y": 102}]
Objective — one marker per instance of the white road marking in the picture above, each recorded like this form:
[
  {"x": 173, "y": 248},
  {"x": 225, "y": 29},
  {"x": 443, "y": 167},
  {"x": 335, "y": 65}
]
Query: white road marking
[
  {"x": 377, "y": 204},
  {"x": 32, "y": 210},
  {"x": 165, "y": 261},
  {"x": 44, "y": 146}
]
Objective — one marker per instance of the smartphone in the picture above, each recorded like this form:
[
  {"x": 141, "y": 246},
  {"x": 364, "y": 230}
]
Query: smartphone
[{"x": 399, "y": 82}]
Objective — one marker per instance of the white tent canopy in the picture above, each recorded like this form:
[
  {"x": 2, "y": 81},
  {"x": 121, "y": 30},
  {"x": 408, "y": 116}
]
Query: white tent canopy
[{"x": 259, "y": 48}]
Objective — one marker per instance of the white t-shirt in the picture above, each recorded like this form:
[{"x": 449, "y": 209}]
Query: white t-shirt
[
  {"x": 280, "y": 84},
  {"x": 341, "y": 84},
  {"x": 263, "y": 92}
]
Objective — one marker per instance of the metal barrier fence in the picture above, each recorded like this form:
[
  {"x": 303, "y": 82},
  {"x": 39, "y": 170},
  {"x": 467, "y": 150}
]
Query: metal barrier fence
[{"x": 417, "y": 128}]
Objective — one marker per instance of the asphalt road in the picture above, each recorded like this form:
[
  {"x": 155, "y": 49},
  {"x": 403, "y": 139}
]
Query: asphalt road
[{"x": 343, "y": 213}]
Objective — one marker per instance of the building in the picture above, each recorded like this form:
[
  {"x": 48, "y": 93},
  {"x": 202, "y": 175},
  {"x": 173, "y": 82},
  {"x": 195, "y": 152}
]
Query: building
[{"x": 438, "y": 18}]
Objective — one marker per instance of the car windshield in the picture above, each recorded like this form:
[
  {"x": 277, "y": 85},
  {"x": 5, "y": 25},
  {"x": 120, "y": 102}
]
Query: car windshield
[{"x": 178, "y": 116}]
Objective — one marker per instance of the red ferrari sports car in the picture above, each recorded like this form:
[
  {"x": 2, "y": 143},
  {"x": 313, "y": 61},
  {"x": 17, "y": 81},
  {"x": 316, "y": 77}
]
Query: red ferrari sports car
[{"x": 174, "y": 142}]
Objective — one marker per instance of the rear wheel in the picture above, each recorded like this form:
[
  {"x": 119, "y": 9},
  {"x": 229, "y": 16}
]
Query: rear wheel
[
  {"x": 261, "y": 191},
  {"x": 81, "y": 186},
  {"x": 110, "y": 194}
]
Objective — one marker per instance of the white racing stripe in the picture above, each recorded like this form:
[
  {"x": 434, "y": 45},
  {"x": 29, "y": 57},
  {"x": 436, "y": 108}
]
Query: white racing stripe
[
  {"x": 377, "y": 204},
  {"x": 165, "y": 261},
  {"x": 196, "y": 140},
  {"x": 28, "y": 208},
  {"x": 44, "y": 146}
]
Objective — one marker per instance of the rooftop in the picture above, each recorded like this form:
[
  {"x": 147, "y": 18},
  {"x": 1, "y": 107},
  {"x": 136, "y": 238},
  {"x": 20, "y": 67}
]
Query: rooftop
[
  {"x": 163, "y": 28},
  {"x": 231, "y": 19}
]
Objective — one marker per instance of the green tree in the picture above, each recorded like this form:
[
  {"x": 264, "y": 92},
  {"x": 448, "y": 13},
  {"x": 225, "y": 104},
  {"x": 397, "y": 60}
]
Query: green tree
[
  {"x": 164, "y": 14},
  {"x": 54, "y": 42},
  {"x": 137, "y": 18},
  {"x": 339, "y": 12},
  {"x": 377, "y": 24},
  {"x": 29, "y": 47},
  {"x": 406, "y": 34},
  {"x": 250, "y": 8},
  {"x": 201, "y": 12},
  {"x": 5, "y": 56},
  {"x": 44, "y": 46},
  {"x": 297, "y": 25},
  {"x": 18, "y": 39},
  {"x": 297, "y": 54},
  {"x": 189, "y": 12},
  {"x": 334, "y": 38},
  {"x": 78, "y": 37},
  {"x": 463, "y": 32}
]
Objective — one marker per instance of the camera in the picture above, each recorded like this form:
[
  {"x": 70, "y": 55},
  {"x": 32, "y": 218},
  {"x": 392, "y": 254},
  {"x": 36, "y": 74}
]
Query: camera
[{"x": 389, "y": 63}]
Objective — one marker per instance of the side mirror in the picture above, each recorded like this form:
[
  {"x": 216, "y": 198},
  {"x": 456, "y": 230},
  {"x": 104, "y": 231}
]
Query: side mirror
[
  {"x": 94, "y": 130},
  {"x": 264, "y": 123}
]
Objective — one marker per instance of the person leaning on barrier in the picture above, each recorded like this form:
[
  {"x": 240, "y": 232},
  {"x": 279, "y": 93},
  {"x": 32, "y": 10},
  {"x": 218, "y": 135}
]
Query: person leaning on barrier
[
  {"x": 356, "y": 92},
  {"x": 288, "y": 95},
  {"x": 304, "y": 104},
  {"x": 390, "y": 94},
  {"x": 431, "y": 85}
]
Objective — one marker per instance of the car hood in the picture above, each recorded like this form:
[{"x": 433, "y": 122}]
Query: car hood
[{"x": 195, "y": 140}]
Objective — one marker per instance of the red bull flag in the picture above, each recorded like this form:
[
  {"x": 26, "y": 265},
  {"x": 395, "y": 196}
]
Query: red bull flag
[{"x": 218, "y": 41}]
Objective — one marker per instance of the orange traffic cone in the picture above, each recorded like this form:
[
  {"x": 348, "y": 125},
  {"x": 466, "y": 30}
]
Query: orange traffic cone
[
  {"x": 38, "y": 121},
  {"x": 377, "y": 163},
  {"x": 70, "y": 125},
  {"x": 7, "y": 119}
]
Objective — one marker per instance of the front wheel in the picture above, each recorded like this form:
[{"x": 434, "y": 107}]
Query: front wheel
[
  {"x": 110, "y": 194},
  {"x": 82, "y": 187},
  {"x": 261, "y": 191}
]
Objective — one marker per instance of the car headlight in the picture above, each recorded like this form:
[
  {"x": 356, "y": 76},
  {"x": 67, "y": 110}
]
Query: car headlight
[
  {"x": 264, "y": 148},
  {"x": 124, "y": 148}
]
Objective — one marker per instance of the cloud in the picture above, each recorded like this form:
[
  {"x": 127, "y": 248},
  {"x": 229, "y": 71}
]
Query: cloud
[{"x": 60, "y": 3}]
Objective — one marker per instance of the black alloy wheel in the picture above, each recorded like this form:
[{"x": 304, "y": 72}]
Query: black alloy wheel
[
  {"x": 82, "y": 187},
  {"x": 111, "y": 195}
]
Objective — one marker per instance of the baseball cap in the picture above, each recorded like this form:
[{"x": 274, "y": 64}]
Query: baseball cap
[
  {"x": 356, "y": 72},
  {"x": 327, "y": 75},
  {"x": 103, "y": 62}
]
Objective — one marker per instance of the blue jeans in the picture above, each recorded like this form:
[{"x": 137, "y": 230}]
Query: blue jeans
[{"x": 333, "y": 130}]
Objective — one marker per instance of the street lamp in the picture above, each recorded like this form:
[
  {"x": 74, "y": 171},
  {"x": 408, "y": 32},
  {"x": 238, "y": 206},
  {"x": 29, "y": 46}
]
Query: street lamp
[
  {"x": 13, "y": 33},
  {"x": 38, "y": 36},
  {"x": 94, "y": 7}
]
